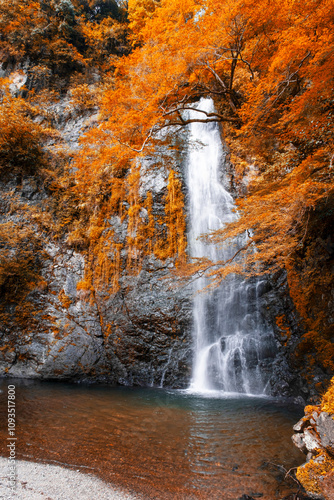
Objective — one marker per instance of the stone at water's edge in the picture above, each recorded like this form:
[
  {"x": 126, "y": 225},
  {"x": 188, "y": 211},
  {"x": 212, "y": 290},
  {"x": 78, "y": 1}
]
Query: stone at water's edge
[
  {"x": 325, "y": 429},
  {"x": 314, "y": 436}
]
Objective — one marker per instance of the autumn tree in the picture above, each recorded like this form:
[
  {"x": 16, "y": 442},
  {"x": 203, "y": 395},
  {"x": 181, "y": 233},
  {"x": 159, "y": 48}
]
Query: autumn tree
[
  {"x": 58, "y": 42},
  {"x": 21, "y": 140},
  {"x": 139, "y": 12}
]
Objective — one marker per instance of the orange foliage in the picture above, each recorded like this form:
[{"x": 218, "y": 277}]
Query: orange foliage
[
  {"x": 175, "y": 243},
  {"x": 134, "y": 242},
  {"x": 20, "y": 266},
  {"x": 312, "y": 473},
  {"x": 59, "y": 41},
  {"x": 281, "y": 323},
  {"x": 20, "y": 138},
  {"x": 106, "y": 39},
  {"x": 139, "y": 11},
  {"x": 327, "y": 403},
  {"x": 103, "y": 267},
  {"x": 18, "y": 20}
]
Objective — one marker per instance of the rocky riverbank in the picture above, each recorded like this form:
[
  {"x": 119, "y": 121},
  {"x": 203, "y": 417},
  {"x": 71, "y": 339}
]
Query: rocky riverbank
[{"x": 314, "y": 436}]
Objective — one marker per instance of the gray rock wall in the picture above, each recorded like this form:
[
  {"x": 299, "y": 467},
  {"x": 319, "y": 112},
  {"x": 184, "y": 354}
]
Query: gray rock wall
[
  {"x": 139, "y": 336},
  {"x": 292, "y": 375}
]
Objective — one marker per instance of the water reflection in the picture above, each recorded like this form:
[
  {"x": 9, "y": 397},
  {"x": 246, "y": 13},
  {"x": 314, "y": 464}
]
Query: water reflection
[{"x": 165, "y": 444}]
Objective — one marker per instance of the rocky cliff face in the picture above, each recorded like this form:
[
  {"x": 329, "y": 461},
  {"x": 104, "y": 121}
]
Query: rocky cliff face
[
  {"x": 140, "y": 335},
  {"x": 149, "y": 343},
  {"x": 293, "y": 376}
]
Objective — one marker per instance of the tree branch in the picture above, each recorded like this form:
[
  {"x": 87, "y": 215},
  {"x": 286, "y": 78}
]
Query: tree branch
[
  {"x": 188, "y": 108},
  {"x": 197, "y": 120},
  {"x": 227, "y": 91},
  {"x": 202, "y": 272},
  {"x": 148, "y": 137}
]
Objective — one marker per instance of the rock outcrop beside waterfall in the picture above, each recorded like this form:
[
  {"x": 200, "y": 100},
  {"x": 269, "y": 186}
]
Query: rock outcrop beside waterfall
[
  {"x": 149, "y": 343},
  {"x": 291, "y": 377}
]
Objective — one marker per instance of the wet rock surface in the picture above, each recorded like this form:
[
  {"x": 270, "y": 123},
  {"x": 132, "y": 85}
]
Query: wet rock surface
[
  {"x": 150, "y": 341},
  {"x": 292, "y": 377}
]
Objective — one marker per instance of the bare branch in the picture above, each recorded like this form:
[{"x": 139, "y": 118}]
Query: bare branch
[
  {"x": 189, "y": 108},
  {"x": 216, "y": 76},
  {"x": 203, "y": 271},
  {"x": 227, "y": 91},
  {"x": 143, "y": 145},
  {"x": 248, "y": 65},
  {"x": 197, "y": 120}
]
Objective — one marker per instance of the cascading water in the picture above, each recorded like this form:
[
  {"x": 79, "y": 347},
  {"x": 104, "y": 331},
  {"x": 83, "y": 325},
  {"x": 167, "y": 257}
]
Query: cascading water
[{"x": 232, "y": 343}]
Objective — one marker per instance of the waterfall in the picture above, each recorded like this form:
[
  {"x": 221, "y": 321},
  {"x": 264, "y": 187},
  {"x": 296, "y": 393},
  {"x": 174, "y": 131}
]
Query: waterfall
[{"x": 233, "y": 346}]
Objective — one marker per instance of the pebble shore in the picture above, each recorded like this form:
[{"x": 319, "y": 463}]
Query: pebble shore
[{"x": 51, "y": 482}]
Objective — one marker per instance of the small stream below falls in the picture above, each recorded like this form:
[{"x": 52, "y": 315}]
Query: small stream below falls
[{"x": 164, "y": 444}]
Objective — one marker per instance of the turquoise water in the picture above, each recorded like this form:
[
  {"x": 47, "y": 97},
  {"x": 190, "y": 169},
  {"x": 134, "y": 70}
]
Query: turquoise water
[{"x": 164, "y": 444}]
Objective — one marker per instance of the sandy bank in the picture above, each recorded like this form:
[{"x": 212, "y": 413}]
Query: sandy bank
[{"x": 51, "y": 482}]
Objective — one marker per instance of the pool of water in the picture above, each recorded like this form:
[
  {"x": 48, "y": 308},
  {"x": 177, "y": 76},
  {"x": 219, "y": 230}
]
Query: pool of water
[{"x": 164, "y": 444}]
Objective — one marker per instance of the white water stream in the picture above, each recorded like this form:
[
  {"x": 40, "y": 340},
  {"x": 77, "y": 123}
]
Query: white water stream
[{"x": 232, "y": 343}]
